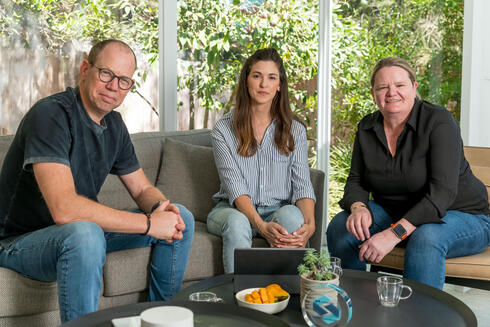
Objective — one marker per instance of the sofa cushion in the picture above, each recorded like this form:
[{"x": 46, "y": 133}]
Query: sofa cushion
[
  {"x": 148, "y": 149},
  {"x": 205, "y": 260},
  {"x": 5, "y": 142},
  {"x": 188, "y": 176},
  {"x": 205, "y": 257},
  {"x": 126, "y": 271},
  {"x": 25, "y": 296},
  {"x": 475, "y": 266}
]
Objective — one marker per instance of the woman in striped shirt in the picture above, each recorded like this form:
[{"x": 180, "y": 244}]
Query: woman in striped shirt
[{"x": 261, "y": 153}]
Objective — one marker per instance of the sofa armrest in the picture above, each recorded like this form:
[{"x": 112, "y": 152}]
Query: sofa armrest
[{"x": 318, "y": 181}]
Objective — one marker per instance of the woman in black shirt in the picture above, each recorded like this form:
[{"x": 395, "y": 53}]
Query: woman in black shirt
[{"x": 409, "y": 157}]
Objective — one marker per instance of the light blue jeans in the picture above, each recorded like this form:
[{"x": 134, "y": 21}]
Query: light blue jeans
[
  {"x": 427, "y": 247},
  {"x": 235, "y": 229},
  {"x": 73, "y": 254}
]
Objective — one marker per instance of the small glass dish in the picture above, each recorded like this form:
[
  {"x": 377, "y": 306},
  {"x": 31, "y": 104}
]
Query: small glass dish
[{"x": 205, "y": 297}]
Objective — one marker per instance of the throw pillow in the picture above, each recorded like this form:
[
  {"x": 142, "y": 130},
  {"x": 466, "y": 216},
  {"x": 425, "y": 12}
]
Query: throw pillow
[{"x": 188, "y": 176}]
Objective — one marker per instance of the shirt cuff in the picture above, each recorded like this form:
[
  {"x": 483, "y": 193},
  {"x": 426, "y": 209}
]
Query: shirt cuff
[
  {"x": 347, "y": 201},
  {"x": 302, "y": 195},
  {"x": 126, "y": 171},
  {"x": 233, "y": 195}
]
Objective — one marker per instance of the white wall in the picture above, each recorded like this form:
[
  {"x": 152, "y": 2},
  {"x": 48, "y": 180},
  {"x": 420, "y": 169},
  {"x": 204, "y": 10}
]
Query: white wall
[{"x": 475, "y": 95}]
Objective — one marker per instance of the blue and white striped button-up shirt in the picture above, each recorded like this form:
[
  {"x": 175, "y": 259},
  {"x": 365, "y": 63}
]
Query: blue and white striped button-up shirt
[{"x": 268, "y": 176}]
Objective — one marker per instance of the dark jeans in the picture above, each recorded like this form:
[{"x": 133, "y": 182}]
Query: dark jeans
[{"x": 426, "y": 248}]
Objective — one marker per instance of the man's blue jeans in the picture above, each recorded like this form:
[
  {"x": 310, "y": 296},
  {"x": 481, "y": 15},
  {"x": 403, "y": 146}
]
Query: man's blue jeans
[
  {"x": 427, "y": 247},
  {"x": 235, "y": 229},
  {"x": 73, "y": 254}
]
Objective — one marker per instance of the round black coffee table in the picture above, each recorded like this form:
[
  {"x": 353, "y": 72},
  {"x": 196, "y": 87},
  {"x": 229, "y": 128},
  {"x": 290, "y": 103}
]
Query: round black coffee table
[{"x": 426, "y": 307}]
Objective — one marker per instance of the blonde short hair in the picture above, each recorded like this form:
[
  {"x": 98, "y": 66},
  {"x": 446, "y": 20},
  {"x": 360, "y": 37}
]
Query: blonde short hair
[{"x": 390, "y": 62}]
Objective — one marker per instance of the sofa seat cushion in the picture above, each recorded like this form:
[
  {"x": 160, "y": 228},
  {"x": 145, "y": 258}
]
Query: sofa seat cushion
[
  {"x": 24, "y": 296},
  {"x": 189, "y": 176},
  {"x": 205, "y": 255},
  {"x": 475, "y": 266},
  {"x": 126, "y": 271}
]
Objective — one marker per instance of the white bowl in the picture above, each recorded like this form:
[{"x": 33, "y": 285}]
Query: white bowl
[{"x": 270, "y": 308}]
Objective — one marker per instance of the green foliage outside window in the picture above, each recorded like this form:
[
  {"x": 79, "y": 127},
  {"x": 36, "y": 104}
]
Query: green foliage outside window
[{"x": 218, "y": 36}]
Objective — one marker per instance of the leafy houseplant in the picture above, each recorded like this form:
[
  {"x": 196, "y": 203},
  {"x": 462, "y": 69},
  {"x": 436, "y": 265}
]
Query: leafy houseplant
[
  {"x": 315, "y": 271},
  {"x": 316, "y": 265}
]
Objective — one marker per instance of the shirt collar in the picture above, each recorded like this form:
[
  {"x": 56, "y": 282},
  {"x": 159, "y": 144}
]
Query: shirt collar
[
  {"x": 96, "y": 128},
  {"x": 414, "y": 115}
]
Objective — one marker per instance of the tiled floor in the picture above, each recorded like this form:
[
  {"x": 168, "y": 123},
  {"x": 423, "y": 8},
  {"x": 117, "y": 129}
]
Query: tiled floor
[{"x": 478, "y": 301}]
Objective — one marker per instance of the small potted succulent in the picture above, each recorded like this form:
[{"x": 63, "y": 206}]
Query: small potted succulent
[{"x": 316, "y": 270}]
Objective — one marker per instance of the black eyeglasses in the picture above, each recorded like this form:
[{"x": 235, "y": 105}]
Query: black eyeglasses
[{"x": 106, "y": 76}]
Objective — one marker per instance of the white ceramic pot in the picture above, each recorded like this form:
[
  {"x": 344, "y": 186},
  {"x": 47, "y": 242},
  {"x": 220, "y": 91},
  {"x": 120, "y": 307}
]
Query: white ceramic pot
[{"x": 314, "y": 289}]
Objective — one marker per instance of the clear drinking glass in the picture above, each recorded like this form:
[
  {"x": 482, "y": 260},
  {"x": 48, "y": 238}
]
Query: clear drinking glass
[
  {"x": 390, "y": 290},
  {"x": 336, "y": 266}
]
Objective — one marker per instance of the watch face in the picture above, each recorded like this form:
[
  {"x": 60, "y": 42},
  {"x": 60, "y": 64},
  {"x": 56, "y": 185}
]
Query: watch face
[{"x": 399, "y": 230}]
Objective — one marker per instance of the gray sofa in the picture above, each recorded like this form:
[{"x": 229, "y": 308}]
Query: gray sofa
[{"x": 181, "y": 164}]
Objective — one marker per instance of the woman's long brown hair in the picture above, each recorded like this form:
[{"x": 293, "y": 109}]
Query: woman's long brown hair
[{"x": 280, "y": 109}]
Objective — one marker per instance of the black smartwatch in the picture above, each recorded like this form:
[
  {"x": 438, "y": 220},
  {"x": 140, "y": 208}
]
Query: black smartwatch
[{"x": 399, "y": 231}]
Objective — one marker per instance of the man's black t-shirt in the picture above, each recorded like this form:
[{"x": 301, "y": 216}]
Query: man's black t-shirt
[{"x": 58, "y": 129}]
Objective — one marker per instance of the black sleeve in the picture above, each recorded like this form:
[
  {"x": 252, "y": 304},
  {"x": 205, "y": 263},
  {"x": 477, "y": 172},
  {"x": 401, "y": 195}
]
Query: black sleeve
[
  {"x": 443, "y": 168},
  {"x": 46, "y": 134},
  {"x": 354, "y": 190}
]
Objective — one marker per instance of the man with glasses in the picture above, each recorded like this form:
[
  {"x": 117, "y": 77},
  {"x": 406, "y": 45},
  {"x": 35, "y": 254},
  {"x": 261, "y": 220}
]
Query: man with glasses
[{"x": 51, "y": 226}]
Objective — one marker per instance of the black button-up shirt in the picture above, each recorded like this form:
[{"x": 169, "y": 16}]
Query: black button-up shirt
[{"x": 428, "y": 174}]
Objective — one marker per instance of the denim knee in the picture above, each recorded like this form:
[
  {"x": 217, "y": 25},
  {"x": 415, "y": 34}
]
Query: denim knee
[
  {"x": 425, "y": 237},
  {"x": 336, "y": 227},
  {"x": 85, "y": 241},
  {"x": 237, "y": 225},
  {"x": 289, "y": 216}
]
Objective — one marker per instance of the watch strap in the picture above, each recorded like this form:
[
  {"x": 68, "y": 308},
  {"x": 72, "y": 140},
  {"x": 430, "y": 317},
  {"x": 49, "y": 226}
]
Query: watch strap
[{"x": 399, "y": 231}]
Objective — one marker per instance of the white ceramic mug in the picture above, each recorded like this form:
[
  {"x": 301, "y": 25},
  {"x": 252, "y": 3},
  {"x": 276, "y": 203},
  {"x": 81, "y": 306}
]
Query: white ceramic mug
[
  {"x": 390, "y": 290},
  {"x": 167, "y": 316}
]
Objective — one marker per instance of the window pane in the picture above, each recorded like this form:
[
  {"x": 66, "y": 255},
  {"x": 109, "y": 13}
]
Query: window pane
[{"x": 216, "y": 37}]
